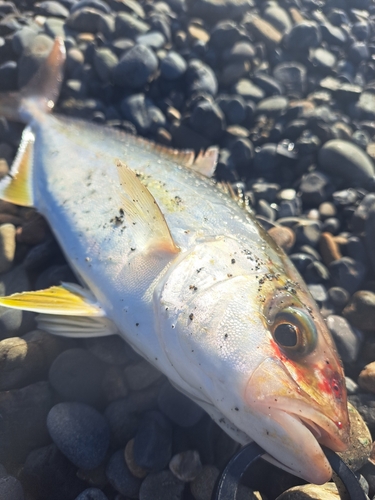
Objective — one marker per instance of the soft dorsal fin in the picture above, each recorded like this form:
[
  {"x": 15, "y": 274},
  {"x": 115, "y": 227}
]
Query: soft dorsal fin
[
  {"x": 68, "y": 299},
  {"x": 16, "y": 187},
  {"x": 41, "y": 92},
  {"x": 150, "y": 227},
  {"x": 205, "y": 162}
]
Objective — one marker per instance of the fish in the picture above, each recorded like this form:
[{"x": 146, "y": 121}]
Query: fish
[{"x": 168, "y": 260}]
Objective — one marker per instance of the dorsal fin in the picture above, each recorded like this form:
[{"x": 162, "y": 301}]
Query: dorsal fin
[
  {"x": 142, "y": 211},
  {"x": 41, "y": 92},
  {"x": 16, "y": 187},
  {"x": 205, "y": 162}
]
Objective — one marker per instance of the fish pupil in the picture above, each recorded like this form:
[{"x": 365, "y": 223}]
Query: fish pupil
[{"x": 286, "y": 335}]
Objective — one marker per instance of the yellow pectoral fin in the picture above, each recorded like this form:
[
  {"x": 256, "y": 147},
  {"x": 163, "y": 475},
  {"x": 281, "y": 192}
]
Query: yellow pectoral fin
[
  {"x": 16, "y": 187},
  {"x": 67, "y": 300}
]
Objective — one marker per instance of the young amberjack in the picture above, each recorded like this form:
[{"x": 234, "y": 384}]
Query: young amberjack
[{"x": 175, "y": 266}]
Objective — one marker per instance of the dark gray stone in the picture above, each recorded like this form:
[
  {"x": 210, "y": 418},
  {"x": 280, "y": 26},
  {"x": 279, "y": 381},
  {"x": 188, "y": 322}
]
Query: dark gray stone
[
  {"x": 80, "y": 432},
  {"x": 304, "y": 35},
  {"x": 347, "y": 273},
  {"x": 173, "y": 66},
  {"x": 208, "y": 120},
  {"x": 51, "y": 8},
  {"x": 11, "y": 488},
  {"x": 136, "y": 67},
  {"x": 92, "y": 494},
  {"x": 84, "y": 20},
  {"x": 153, "y": 39},
  {"x": 315, "y": 188},
  {"x": 177, "y": 407},
  {"x": 141, "y": 111},
  {"x": 103, "y": 62},
  {"x": 292, "y": 76},
  {"x": 32, "y": 57},
  {"x": 76, "y": 375},
  {"x": 112, "y": 350},
  {"x": 161, "y": 485},
  {"x": 120, "y": 477},
  {"x": 200, "y": 78},
  {"x": 348, "y": 340},
  {"x": 128, "y": 26}
]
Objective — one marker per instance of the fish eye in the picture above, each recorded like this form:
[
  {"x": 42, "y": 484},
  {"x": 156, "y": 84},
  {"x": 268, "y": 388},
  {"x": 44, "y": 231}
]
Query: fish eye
[{"x": 294, "y": 331}]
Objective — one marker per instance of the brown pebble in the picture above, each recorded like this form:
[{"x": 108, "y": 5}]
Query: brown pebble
[
  {"x": 231, "y": 73},
  {"x": 327, "y": 491},
  {"x": 366, "y": 379},
  {"x": 173, "y": 114},
  {"x": 33, "y": 230},
  {"x": 186, "y": 465},
  {"x": 283, "y": 236},
  {"x": 329, "y": 249},
  {"x": 7, "y": 246},
  {"x": 360, "y": 311},
  {"x": 134, "y": 468},
  {"x": 262, "y": 30},
  {"x": 197, "y": 32},
  {"x": 162, "y": 136},
  {"x": 296, "y": 15}
]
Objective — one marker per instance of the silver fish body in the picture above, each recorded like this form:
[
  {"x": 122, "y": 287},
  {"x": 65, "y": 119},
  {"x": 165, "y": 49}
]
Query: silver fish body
[{"x": 205, "y": 296}]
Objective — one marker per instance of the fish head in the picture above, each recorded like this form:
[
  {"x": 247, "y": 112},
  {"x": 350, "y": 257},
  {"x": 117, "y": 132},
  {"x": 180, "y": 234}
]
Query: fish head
[{"x": 298, "y": 389}]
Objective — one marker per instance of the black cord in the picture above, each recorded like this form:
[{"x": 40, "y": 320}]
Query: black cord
[{"x": 227, "y": 484}]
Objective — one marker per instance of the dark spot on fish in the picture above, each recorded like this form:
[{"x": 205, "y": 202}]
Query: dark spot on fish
[
  {"x": 193, "y": 287},
  {"x": 229, "y": 275},
  {"x": 191, "y": 316},
  {"x": 236, "y": 408},
  {"x": 132, "y": 249},
  {"x": 233, "y": 261},
  {"x": 226, "y": 336},
  {"x": 199, "y": 270},
  {"x": 137, "y": 324}
]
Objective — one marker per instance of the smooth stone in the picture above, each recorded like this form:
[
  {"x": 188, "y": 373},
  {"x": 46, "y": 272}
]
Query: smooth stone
[
  {"x": 366, "y": 106},
  {"x": 268, "y": 83},
  {"x": 331, "y": 34},
  {"x": 358, "y": 52},
  {"x": 370, "y": 236},
  {"x": 84, "y": 20},
  {"x": 173, "y": 66},
  {"x": 292, "y": 76},
  {"x": 224, "y": 34},
  {"x": 316, "y": 272},
  {"x": 347, "y": 162},
  {"x": 128, "y": 26},
  {"x": 120, "y": 477},
  {"x": 360, "y": 311},
  {"x": 233, "y": 108},
  {"x": 319, "y": 293},
  {"x": 272, "y": 106},
  {"x": 153, "y": 442},
  {"x": 104, "y": 62},
  {"x": 141, "y": 375},
  {"x": 48, "y": 474},
  {"x": 142, "y": 112},
  {"x": 92, "y": 494},
  {"x": 246, "y": 89},
  {"x": 135, "y": 68},
  {"x": 323, "y": 59},
  {"x": 134, "y": 468},
  {"x": 200, "y": 77},
  {"x": 262, "y": 30},
  {"x": 80, "y": 432},
  {"x": 307, "y": 232},
  {"x": 327, "y": 491},
  {"x": 339, "y": 297},
  {"x": 7, "y": 246},
  {"x": 95, "y": 4},
  {"x": 51, "y": 8},
  {"x": 203, "y": 485},
  {"x": 347, "y": 273},
  {"x": 161, "y": 485},
  {"x": 177, "y": 407},
  {"x": 208, "y": 119},
  {"x": 76, "y": 375},
  {"x": 32, "y": 57},
  {"x": 329, "y": 248},
  {"x": 23, "y": 38},
  {"x": 22, "y": 430},
  {"x": 112, "y": 350},
  {"x": 303, "y": 36},
  {"x": 153, "y": 39},
  {"x": 123, "y": 420},
  {"x": 315, "y": 188},
  {"x": 186, "y": 465},
  {"x": 366, "y": 379},
  {"x": 8, "y": 76},
  {"x": 284, "y": 237},
  {"x": 347, "y": 339},
  {"x": 278, "y": 17},
  {"x": 11, "y": 488}
]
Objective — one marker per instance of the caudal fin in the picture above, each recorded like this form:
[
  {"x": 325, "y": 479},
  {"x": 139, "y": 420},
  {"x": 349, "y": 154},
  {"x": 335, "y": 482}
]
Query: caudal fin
[{"x": 41, "y": 92}]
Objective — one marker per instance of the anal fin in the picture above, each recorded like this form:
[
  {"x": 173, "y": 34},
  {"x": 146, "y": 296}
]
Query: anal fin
[
  {"x": 76, "y": 326},
  {"x": 16, "y": 187}
]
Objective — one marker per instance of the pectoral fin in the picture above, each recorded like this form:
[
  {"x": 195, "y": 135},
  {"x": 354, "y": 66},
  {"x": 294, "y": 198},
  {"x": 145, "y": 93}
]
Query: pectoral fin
[
  {"x": 16, "y": 187},
  {"x": 66, "y": 300},
  {"x": 143, "y": 213}
]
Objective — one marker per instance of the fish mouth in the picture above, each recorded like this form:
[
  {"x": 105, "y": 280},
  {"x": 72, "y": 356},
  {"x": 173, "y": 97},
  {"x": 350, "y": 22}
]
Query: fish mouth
[{"x": 291, "y": 425}]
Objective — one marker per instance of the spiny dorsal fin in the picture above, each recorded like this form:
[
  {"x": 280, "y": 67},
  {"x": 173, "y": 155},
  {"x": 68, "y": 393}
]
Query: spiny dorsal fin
[
  {"x": 204, "y": 163},
  {"x": 150, "y": 227},
  {"x": 68, "y": 299},
  {"x": 16, "y": 187},
  {"x": 41, "y": 92}
]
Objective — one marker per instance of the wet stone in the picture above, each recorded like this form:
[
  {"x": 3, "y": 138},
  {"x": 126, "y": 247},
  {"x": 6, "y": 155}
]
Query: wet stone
[
  {"x": 307, "y": 232},
  {"x": 80, "y": 432},
  {"x": 329, "y": 249},
  {"x": 315, "y": 188},
  {"x": 141, "y": 111},
  {"x": 284, "y": 237},
  {"x": 7, "y": 246},
  {"x": 104, "y": 62},
  {"x": 347, "y": 273},
  {"x": 112, "y": 350},
  {"x": 177, "y": 407},
  {"x": 186, "y": 465},
  {"x": 141, "y": 375},
  {"x": 292, "y": 76},
  {"x": 347, "y": 339},
  {"x": 272, "y": 106},
  {"x": 370, "y": 236},
  {"x": 208, "y": 120},
  {"x": 92, "y": 494},
  {"x": 135, "y": 68},
  {"x": 248, "y": 90},
  {"x": 120, "y": 477},
  {"x": 123, "y": 420},
  {"x": 301, "y": 261},
  {"x": 233, "y": 108},
  {"x": 134, "y": 468},
  {"x": 339, "y": 297},
  {"x": 200, "y": 78},
  {"x": 316, "y": 272},
  {"x": 303, "y": 36},
  {"x": 327, "y": 491},
  {"x": 319, "y": 293},
  {"x": 161, "y": 485},
  {"x": 360, "y": 311},
  {"x": 153, "y": 442},
  {"x": 278, "y": 17},
  {"x": 77, "y": 375},
  {"x": 11, "y": 488}
]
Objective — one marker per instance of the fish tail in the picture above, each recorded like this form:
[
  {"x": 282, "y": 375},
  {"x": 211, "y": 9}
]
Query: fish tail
[{"x": 41, "y": 93}]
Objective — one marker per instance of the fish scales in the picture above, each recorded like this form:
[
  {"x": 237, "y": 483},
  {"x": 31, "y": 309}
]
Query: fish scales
[{"x": 174, "y": 265}]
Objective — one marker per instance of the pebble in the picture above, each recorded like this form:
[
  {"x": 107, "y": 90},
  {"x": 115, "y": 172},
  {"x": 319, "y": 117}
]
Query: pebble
[
  {"x": 77, "y": 375},
  {"x": 199, "y": 77},
  {"x": 11, "y": 488},
  {"x": 120, "y": 477},
  {"x": 203, "y": 484},
  {"x": 329, "y": 249},
  {"x": 134, "y": 468},
  {"x": 347, "y": 161},
  {"x": 7, "y": 246},
  {"x": 348, "y": 340},
  {"x": 104, "y": 61},
  {"x": 173, "y": 66},
  {"x": 80, "y": 432},
  {"x": 360, "y": 311},
  {"x": 303, "y": 36},
  {"x": 327, "y": 491},
  {"x": 112, "y": 350},
  {"x": 347, "y": 273},
  {"x": 161, "y": 485},
  {"x": 208, "y": 119},
  {"x": 315, "y": 188},
  {"x": 292, "y": 76},
  {"x": 177, "y": 407},
  {"x": 92, "y": 494},
  {"x": 339, "y": 297},
  {"x": 284, "y": 237},
  {"x": 141, "y": 375},
  {"x": 370, "y": 235},
  {"x": 186, "y": 465},
  {"x": 135, "y": 68},
  {"x": 153, "y": 442}
]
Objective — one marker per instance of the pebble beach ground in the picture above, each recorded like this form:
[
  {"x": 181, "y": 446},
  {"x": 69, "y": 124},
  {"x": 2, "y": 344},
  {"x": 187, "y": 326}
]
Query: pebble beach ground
[{"x": 286, "y": 89}]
